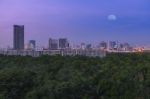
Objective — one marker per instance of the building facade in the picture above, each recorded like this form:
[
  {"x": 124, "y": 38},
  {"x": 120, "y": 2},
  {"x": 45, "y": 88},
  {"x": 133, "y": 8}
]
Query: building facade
[
  {"x": 53, "y": 44},
  {"x": 113, "y": 45},
  {"x": 32, "y": 44},
  {"x": 63, "y": 43},
  {"x": 18, "y": 42},
  {"x": 66, "y": 52},
  {"x": 103, "y": 45}
]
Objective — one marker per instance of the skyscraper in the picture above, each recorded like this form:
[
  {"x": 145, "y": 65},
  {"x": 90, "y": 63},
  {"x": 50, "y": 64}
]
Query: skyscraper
[
  {"x": 113, "y": 45},
  {"x": 89, "y": 46},
  {"x": 18, "y": 37},
  {"x": 53, "y": 44},
  {"x": 103, "y": 45},
  {"x": 32, "y": 44},
  {"x": 63, "y": 43}
]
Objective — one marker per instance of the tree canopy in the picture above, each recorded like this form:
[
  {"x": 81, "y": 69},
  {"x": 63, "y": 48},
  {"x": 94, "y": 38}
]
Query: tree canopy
[{"x": 117, "y": 76}]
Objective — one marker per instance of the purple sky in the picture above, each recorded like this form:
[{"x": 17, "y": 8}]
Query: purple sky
[{"x": 78, "y": 20}]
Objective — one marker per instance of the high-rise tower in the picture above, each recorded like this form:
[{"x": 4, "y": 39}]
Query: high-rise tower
[{"x": 18, "y": 37}]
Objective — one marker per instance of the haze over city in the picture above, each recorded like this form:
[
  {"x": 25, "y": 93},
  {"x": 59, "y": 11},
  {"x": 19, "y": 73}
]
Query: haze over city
[{"x": 78, "y": 20}]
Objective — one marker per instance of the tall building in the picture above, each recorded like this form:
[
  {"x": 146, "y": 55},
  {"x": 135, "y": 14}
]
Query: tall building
[
  {"x": 89, "y": 46},
  {"x": 32, "y": 44},
  {"x": 53, "y": 44},
  {"x": 103, "y": 45},
  {"x": 126, "y": 46},
  {"x": 113, "y": 45},
  {"x": 18, "y": 37},
  {"x": 83, "y": 46},
  {"x": 63, "y": 43}
]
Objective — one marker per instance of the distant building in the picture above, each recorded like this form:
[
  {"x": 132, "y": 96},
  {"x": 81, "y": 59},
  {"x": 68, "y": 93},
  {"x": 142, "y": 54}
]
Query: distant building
[
  {"x": 121, "y": 46},
  {"x": 32, "y": 44},
  {"x": 113, "y": 45},
  {"x": 63, "y": 43},
  {"x": 83, "y": 46},
  {"x": 103, "y": 45},
  {"x": 89, "y": 46},
  {"x": 66, "y": 52},
  {"x": 126, "y": 46},
  {"x": 53, "y": 44},
  {"x": 18, "y": 40}
]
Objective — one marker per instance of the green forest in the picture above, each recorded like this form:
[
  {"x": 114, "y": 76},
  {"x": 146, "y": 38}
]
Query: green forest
[{"x": 116, "y": 76}]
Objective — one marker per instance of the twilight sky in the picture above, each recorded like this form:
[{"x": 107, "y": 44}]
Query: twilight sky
[{"x": 78, "y": 20}]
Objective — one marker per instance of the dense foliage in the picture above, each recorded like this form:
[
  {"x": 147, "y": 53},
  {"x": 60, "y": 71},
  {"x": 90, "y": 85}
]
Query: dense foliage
[{"x": 117, "y": 76}]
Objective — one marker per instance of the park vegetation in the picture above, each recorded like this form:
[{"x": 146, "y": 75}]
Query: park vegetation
[{"x": 117, "y": 76}]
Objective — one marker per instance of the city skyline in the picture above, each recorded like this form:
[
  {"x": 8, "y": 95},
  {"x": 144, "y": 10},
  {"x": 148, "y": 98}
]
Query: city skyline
[
  {"x": 80, "y": 21},
  {"x": 18, "y": 42}
]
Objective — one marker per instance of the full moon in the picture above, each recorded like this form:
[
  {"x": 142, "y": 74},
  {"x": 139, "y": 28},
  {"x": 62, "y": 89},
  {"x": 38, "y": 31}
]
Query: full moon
[{"x": 112, "y": 17}]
